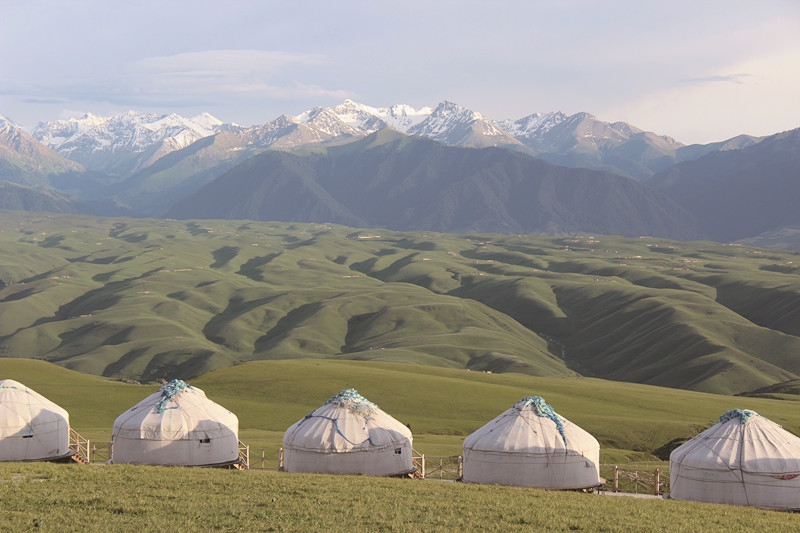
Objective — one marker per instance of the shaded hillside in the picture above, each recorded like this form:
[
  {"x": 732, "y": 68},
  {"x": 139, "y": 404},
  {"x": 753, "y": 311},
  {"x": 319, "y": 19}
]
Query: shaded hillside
[
  {"x": 150, "y": 299},
  {"x": 14, "y": 196},
  {"x": 410, "y": 183},
  {"x": 743, "y": 193},
  {"x": 26, "y": 161},
  {"x": 178, "y": 174},
  {"x": 583, "y": 141}
]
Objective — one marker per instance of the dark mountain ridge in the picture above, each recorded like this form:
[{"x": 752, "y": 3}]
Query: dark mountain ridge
[
  {"x": 412, "y": 183},
  {"x": 736, "y": 194}
]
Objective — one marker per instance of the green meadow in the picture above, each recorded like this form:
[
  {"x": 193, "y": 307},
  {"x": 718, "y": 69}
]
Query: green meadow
[
  {"x": 57, "y": 497},
  {"x": 441, "y": 405}
]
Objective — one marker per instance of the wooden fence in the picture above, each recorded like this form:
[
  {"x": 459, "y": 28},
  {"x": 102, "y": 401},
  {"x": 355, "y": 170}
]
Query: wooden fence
[
  {"x": 80, "y": 446},
  {"x": 244, "y": 456},
  {"x": 632, "y": 478},
  {"x": 266, "y": 460},
  {"x": 637, "y": 481},
  {"x": 441, "y": 467}
]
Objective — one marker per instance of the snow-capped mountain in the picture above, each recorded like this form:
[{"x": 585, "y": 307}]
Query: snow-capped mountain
[
  {"x": 452, "y": 124},
  {"x": 346, "y": 121},
  {"x": 127, "y": 142},
  {"x": 533, "y": 126},
  {"x": 368, "y": 119}
]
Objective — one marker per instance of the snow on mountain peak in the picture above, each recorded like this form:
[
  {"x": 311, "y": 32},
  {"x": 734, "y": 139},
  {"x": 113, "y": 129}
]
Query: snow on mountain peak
[
  {"x": 208, "y": 120},
  {"x": 451, "y": 123},
  {"x": 132, "y": 131},
  {"x": 534, "y": 125}
]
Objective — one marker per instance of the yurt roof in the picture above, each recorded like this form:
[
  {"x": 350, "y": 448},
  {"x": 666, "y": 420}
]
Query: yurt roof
[
  {"x": 19, "y": 406},
  {"x": 344, "y": 422},
  {"x": 530, "y": 426},
  {"x": 177, "y": 410},
  {"x": 742, "y": 439},
  {"x": 354, "y": 402}
]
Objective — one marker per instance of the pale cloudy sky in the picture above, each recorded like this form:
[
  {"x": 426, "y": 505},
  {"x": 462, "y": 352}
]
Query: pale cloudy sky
[{"x": 699, "y": 70}]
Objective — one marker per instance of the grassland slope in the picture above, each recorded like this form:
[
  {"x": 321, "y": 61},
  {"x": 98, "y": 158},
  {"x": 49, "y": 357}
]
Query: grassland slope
[{"x": 159, "y": 299}]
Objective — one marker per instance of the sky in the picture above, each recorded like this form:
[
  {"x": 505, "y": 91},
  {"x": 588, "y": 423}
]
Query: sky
[{"x": 699, "y": 71}]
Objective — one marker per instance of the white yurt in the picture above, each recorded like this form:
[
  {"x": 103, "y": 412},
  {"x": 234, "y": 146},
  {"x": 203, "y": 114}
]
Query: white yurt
[
  {"x": 530, "y": 445},
  {"x": 31, "y": 426},
  {"x": 176, "y": 426},
  {"x": 348, "y": 435},
  {"x": 743, "y": 459}
]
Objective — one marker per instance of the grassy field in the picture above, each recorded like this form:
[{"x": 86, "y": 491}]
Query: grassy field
[
  {"x": 56, "y": 497},
  {"x": 162, "y": 299},
  {"x": 442, "y": 406}
]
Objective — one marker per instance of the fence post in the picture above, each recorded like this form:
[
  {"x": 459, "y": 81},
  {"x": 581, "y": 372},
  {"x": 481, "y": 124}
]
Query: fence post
[
  {"x": 280, "y": 459},
  {"x": 616, "y": 478},
  {"x": 460, "y": 467},
  {"x": 422, "y": 458},
  {"x": 657, "y": 482}
]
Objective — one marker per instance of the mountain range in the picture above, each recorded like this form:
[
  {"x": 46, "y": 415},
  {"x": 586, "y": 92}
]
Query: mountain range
[
  {"x": 414, "y": 183},
  {"x": 158, "y": 165}
]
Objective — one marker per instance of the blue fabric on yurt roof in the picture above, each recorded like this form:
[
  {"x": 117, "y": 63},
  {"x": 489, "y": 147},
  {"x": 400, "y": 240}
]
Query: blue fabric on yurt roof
[
  {"x": 542, "y": 409},
  {"x": 169, "y": 391},
  {"x": 352, "y": 400},
  {"x": 742, "y": 414}
]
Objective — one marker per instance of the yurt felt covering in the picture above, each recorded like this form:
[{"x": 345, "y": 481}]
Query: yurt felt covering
[
  {"x": 178, "y": 425},
  {"x": 531, "y": 445},
  {"x": 31, "y": 426},
  {"x": 348, "y": 434},
  {"x": 743, "y": 459}
]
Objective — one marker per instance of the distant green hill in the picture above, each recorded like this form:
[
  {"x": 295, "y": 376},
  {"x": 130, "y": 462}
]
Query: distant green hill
[{"x": 160, "y": 299}]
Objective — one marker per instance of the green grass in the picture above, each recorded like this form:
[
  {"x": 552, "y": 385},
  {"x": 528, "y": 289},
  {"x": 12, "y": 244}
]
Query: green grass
[
  {"x": 53, "y": 497},
  {"x": 442, "y": 406}
]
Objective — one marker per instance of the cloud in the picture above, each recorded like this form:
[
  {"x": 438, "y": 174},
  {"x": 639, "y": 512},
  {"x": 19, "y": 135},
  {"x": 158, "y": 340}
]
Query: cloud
[
  {"x": 738, "y": 79},
  {"x": 718, "y": 106},
  {"x": 210, "y": 75},
  {"x": 207, "y": 78}
]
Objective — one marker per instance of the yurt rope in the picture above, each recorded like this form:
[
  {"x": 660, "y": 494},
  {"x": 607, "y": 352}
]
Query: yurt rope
[
  {"x": 168, "y": 392},
  {"x": 543, "y": 410},
  {"x": 353, "y": 401},
  {"x": 339, "y": 431}
]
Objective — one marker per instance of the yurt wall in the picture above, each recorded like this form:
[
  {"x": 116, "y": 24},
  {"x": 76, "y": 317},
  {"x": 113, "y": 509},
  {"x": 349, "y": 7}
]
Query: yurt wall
[{"x": 31, "y": 426}]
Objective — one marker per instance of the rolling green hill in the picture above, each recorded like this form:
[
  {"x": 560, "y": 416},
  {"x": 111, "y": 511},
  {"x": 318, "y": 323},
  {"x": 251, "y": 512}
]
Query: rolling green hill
[{"x": 162, "y": 299}]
